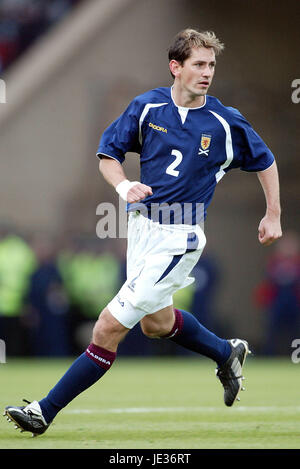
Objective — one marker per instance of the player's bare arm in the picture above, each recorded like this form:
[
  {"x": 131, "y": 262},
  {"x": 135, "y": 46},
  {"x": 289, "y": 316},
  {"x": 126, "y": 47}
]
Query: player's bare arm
[
  {"x": 270, "y": 226},
  {"x": 114, "y": 174}
]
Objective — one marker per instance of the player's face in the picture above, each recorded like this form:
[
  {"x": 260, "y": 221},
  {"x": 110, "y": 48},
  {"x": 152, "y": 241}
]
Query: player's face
[{"x": 196, "y": 73}]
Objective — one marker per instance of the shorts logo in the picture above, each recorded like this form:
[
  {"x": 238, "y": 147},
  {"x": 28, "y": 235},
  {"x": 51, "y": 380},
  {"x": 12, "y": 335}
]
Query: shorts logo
[
  {"x": 157, "y": 127},
  {"x": 204, "y": 144},
  {"x": 131, "y": 285},
  {"x": 120, "y": 301}
]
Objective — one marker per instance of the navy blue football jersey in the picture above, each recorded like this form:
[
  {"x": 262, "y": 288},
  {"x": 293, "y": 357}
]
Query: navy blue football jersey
[{"x": 184, "y": 152}]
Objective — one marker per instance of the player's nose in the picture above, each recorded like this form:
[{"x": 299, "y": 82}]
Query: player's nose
[{"x": 207, "y": 72}]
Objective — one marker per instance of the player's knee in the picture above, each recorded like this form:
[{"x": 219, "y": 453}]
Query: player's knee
[
  {"x": 106, "y": 328},
  {"x": 152, "y": 329},
  {"x": 150, "y": 333},
  {"x": 159, "y": 324}
]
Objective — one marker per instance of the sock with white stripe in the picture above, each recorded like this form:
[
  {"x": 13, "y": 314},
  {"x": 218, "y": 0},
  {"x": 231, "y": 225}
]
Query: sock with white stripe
[
  {"x": 83, "y": 373},
  {"x": 191, "y": 334}
]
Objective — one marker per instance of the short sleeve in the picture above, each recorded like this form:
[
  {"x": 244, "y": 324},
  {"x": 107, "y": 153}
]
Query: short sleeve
[
  {"x": 122, "y": 135},
  {"x": 250, "y": 151}
]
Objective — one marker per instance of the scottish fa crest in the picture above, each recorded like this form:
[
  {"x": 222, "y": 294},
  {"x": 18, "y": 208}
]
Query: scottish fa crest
[{"x": 204, "y": 145}]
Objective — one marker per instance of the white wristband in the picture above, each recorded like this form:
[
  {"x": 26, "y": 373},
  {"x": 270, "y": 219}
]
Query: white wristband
[{"x": 123, "y": 188}]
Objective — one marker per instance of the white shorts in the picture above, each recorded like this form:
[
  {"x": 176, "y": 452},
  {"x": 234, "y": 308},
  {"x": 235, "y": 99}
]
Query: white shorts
[{"x": 159, "y": 261}]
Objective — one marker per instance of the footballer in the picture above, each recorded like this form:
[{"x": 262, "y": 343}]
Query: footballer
[{"x": 187, "y": 141}]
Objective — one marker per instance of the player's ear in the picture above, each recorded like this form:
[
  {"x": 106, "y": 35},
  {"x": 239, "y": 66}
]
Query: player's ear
[{"x": 175, "y": 68}]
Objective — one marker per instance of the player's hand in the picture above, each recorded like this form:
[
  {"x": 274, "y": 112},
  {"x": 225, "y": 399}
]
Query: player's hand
[
  {"x": 133, "y": 192},
  {"x": 138, "y": 192},
  {"x": 269, "y": 230}
]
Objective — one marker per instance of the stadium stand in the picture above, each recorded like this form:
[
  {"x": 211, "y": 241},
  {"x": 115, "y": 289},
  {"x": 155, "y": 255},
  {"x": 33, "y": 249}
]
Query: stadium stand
[{"x": 22, "y": 22}]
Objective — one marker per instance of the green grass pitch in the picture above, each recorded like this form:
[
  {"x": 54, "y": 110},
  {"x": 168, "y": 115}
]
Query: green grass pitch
[{"x": 160, "y": 403}]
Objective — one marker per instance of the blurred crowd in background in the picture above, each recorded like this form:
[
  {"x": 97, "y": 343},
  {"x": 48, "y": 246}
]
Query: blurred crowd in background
[
  {"x": 52, "y": 291},
  {"x": 23, "y": 21},
  {"x": 278, "y": 295}
]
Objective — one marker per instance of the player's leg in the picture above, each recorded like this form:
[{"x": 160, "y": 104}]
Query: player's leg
[
  {"x": 184, "y": 328},
  {"x": 159, "y": 324},
  {"x": 113, "y": 324},
  {"x": 83, "y": 373},
  {"x": 187, "y": 331}
]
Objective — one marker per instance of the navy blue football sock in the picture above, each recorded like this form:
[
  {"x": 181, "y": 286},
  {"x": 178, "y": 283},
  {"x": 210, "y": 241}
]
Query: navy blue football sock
[
  {"x": 191, "y": 334},
  {"x": 85, "y": 371}
]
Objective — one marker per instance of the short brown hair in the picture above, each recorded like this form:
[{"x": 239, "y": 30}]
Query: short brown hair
[{"x": 186, "y": 40}]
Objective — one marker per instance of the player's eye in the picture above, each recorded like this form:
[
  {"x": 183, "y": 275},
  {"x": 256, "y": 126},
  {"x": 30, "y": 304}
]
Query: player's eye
[{"x": 202, "y": 64}]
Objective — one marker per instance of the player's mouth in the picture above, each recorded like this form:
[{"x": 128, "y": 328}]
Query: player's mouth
[{"x": 204, "y": 83}]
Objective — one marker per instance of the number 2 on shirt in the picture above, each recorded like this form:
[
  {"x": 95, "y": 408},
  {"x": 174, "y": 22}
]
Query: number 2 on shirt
[{"x": 171, "y": 168}]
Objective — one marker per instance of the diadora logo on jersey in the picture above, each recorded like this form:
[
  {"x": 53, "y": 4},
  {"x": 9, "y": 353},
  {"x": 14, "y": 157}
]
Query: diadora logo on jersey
[
  {"x": 204, "y": 144},
  {"x": 157, "y": 127}
]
